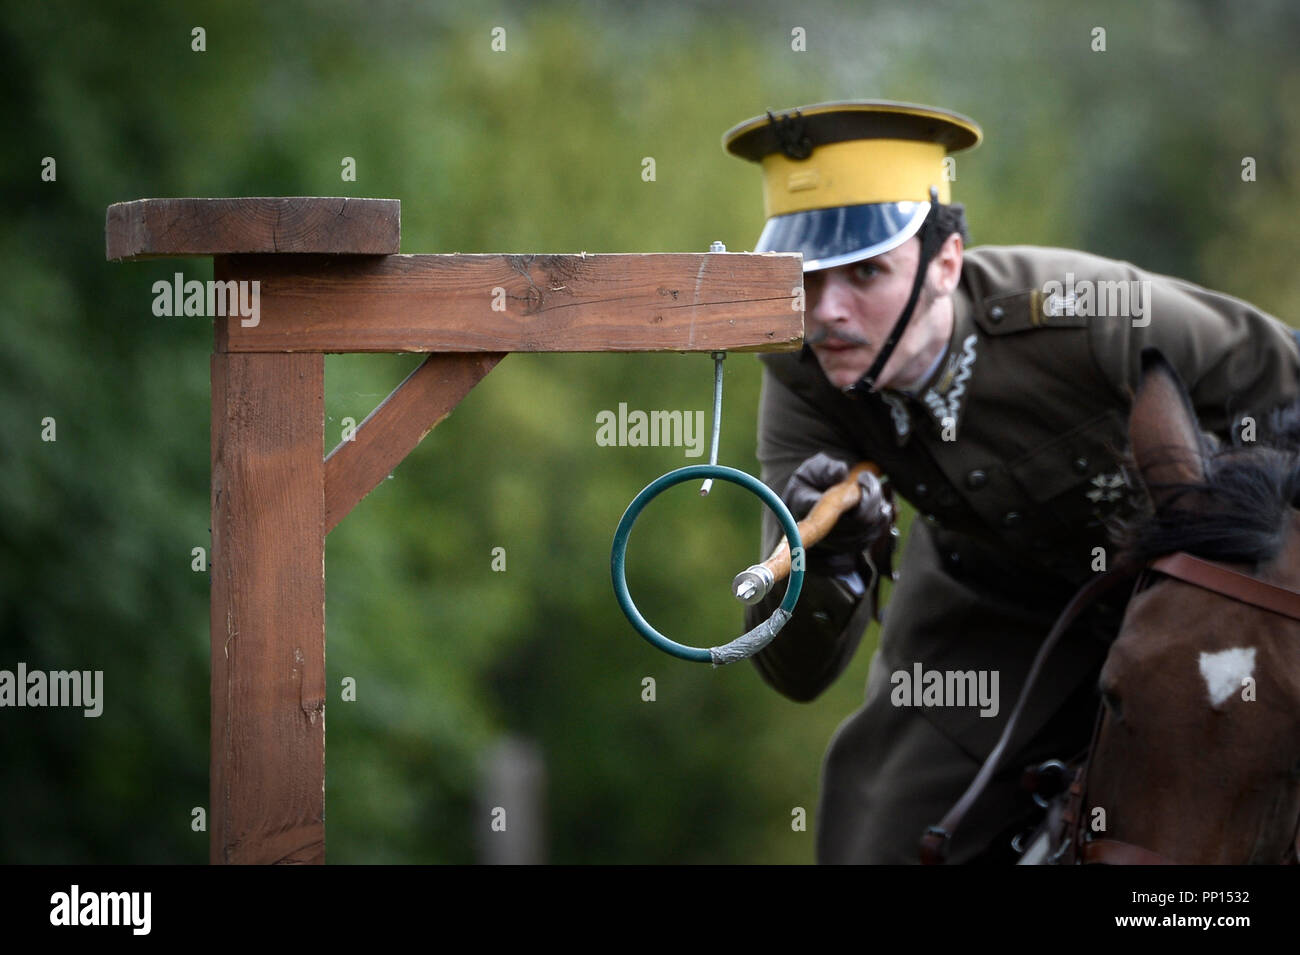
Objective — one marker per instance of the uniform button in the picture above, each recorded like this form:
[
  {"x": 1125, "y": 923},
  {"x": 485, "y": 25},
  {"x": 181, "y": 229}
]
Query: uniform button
[
  {"x": 996, "y": 313},
  {"x": 930, "y": 519},
  {"x": 1010, "y": 519},
  {"x": 922, "y": 490},
  {"x": 976, "y": 479},
  {"x": 1081, "y": 465},
  {"x": 954, "y": 560}
]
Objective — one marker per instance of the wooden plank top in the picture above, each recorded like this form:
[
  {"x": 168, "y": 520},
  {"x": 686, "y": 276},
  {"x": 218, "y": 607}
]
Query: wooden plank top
[
  {"x": 155, "y": 228},
  {"x": 668, "y": 301}
]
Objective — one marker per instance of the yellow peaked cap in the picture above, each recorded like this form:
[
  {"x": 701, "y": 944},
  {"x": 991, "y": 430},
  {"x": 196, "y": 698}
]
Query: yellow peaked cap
[{"x": 851, "y": 153}]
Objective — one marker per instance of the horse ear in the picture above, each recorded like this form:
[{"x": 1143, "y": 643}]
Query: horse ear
[{"x": 1164, "y": 435}]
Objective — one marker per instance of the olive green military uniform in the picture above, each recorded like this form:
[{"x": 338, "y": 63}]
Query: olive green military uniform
[{"x": 1010, "y": 454}]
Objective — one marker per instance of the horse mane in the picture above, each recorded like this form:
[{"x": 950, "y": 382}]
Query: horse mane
[{"x": 1237, "y": 515}]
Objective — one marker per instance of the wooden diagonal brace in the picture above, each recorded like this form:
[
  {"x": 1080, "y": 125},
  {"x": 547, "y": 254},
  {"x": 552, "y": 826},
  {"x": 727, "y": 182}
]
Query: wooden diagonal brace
[{"x": 397, "y": 425}]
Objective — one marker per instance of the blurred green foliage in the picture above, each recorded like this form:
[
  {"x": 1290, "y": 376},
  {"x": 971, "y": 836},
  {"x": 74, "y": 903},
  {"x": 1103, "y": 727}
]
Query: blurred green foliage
[{"x": 1134, "y": 152}]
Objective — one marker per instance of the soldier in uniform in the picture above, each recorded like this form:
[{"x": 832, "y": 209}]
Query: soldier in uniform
[{"x": 992, "y": 387}]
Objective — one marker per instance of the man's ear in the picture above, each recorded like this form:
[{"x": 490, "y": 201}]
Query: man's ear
[{"x": 945, "y": 267}]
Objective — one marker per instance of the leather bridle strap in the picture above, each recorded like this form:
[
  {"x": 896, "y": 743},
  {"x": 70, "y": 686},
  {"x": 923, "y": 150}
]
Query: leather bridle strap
[
  {"x": 934, "y": 844},
  {"x": 1227, "y": 582}
]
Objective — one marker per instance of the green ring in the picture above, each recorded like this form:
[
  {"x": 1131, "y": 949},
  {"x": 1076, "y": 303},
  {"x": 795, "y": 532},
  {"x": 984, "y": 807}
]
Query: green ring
[{"x": 654, "y": 489}]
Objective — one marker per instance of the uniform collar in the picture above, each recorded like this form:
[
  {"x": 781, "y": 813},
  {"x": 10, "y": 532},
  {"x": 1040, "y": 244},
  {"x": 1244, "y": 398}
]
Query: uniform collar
[
  {"x": 943, "y": 392},
  {"x": 932, "y": 374},
  {"x": 941, "y": 374}
]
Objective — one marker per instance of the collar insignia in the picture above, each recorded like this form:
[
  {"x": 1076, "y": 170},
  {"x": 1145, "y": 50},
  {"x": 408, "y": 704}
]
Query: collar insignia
[{"x": 945, "y": 399}]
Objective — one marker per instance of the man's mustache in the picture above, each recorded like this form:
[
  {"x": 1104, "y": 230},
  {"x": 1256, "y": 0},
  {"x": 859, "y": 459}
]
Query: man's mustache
[{"x": 825, "y": 333}]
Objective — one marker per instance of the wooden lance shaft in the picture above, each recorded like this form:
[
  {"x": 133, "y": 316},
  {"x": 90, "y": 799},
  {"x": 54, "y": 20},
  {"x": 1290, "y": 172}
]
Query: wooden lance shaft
[{"x": 752, "y": 584}]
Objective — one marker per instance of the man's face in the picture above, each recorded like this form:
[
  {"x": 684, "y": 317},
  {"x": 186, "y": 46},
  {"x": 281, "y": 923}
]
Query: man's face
[{"x": 852, "y": 308}]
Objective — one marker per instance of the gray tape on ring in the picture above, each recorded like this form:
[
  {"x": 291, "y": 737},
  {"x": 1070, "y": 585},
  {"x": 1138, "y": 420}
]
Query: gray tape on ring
[{"x": 744, "y": 647}]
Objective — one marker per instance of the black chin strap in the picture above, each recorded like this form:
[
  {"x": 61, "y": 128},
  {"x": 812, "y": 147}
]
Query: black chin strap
[{"x": 931, "y": 240}]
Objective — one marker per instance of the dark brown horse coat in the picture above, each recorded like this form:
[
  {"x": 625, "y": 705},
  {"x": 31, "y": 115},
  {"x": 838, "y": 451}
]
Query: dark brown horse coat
[{"x": 1010, "y": 454}]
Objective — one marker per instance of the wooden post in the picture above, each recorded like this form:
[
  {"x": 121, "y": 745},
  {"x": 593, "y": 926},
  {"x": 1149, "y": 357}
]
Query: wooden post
[
  {"x": 330, "y": 280},
  {"x": 267, "y": 755},
  {"x": 268, "y": 609}
]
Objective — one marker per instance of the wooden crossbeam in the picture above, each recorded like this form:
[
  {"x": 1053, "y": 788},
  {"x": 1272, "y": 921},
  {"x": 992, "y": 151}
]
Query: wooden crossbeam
[{"x": 525, "y": 303}]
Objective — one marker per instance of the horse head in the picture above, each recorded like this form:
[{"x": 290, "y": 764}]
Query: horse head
[{"x": 1197, "y": 753}]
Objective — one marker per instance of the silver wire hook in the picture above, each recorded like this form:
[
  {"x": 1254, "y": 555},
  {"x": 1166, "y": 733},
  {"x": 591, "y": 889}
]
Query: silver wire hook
[{"x": 718, "y": 358}]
